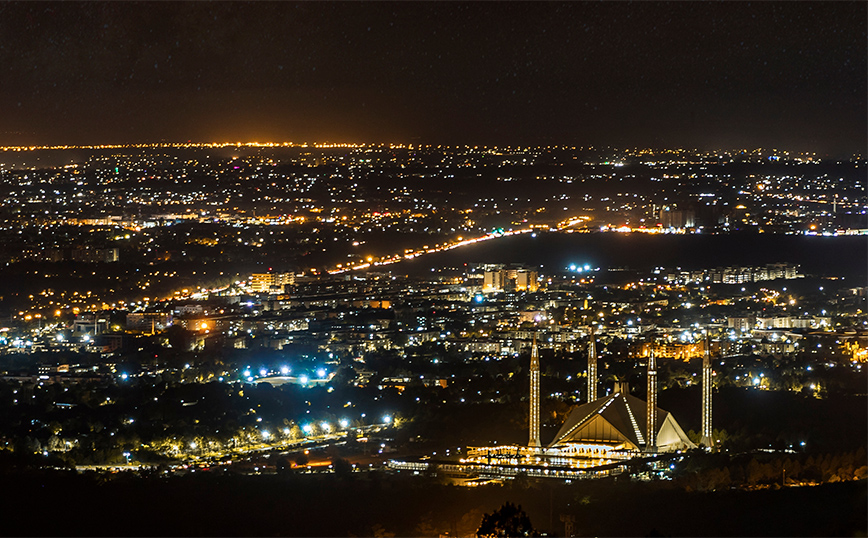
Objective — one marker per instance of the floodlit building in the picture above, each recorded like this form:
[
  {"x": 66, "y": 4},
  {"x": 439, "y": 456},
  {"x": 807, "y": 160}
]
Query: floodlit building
[
  {"x": 615, "y": 425},
  {"x": 671, "y": 217},
  {"x": 526, "y": 280},
  {"x": 270, "y": 282},
  {"x": 493, "y": 281},
  {"x": 149, "y": 322},
  {"x": 497, "y": 278}
]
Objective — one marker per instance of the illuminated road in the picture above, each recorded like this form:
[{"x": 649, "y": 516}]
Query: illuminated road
[{"x": 307, "y": 443}]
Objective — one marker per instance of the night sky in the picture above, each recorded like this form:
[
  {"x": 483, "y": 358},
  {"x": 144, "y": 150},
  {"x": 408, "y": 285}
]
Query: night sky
[{"x": 695, "y": 74}]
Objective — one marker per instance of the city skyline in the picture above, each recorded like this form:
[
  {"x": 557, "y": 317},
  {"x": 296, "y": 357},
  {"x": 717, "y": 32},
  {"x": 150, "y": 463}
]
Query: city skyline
[
  {"x": 686, "y": 74},
  {"x": 472, "y": 269}
]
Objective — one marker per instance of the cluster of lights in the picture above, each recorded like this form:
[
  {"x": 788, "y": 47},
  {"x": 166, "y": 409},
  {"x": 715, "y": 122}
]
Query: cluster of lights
[{"x": 577, "y": 268}]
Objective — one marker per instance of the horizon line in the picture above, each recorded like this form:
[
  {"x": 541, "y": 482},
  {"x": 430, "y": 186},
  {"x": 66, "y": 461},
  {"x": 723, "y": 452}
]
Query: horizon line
[{"x": 353, "y": 145}]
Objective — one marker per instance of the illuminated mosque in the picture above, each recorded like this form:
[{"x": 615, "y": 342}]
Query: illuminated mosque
[{"x": 598, "y": 434}]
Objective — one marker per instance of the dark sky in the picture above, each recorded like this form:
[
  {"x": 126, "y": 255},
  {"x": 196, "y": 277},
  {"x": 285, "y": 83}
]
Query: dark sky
[{"x": 697, "y": 74}]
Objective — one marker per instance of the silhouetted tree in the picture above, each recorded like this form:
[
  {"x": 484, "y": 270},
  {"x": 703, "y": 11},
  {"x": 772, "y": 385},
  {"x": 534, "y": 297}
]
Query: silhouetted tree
[
  {"x": 342, "y": 467},
  {"x": 508, "y": 520}
]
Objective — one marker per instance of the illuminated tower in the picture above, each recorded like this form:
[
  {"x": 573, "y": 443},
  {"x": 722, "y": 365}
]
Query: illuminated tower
[
  {"x": 651, "y": 445},
  {"x": 592, "y": 367},
  {"x": 533, "y": 421},
  {"x": 706, "y": 438}
]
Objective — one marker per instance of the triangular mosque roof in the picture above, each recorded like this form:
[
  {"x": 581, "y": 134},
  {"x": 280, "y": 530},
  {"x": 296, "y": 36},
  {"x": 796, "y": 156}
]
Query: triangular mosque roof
[{"x": 620, "y": 419}]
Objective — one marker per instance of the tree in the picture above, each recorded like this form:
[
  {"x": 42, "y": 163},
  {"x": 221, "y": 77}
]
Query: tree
[
  {"x": 469, "y": 523},
  {"x": 342, "y": 468},
  {"x": 426, "y": 526},
  {"x": 754, "y": 471},
  {"x": 509, "y": 520},
  {"x": 378, "y": 531},
  {"x": 521, "y": 480}
]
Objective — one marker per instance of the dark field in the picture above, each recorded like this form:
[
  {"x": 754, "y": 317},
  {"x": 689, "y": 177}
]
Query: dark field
[{"x": 411, "y": 506}]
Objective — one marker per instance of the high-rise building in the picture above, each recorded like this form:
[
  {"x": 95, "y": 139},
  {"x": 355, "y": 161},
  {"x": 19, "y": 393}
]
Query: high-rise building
[
  {"x": 677, "y": 218},
  {"x": 149, "y": 322},
  {"x": 533, "y": 421},
  {"x": 497, "y": 279},
  {"x": 270, "y": 282},
  {"x": 526, "y": 280},
  {"x": 493, "y": 281}
]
